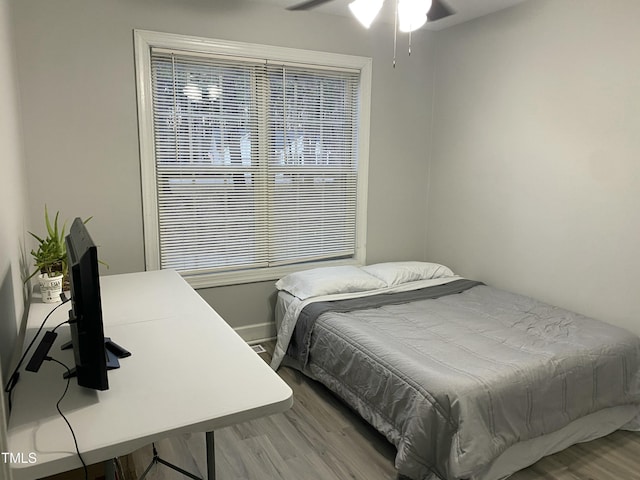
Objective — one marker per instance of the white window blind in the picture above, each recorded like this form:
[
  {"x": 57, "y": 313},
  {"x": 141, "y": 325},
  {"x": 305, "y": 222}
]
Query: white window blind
[
  {"x": 312, "y": 155},
  {"x": 256, "y": 163}
]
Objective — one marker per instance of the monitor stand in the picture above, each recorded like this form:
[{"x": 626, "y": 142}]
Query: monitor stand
[{"x": 112, "y": 350}]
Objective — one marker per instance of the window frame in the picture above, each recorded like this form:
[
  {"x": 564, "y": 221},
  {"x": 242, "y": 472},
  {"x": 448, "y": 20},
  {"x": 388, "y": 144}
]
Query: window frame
[{"x": 144, "y": 41}]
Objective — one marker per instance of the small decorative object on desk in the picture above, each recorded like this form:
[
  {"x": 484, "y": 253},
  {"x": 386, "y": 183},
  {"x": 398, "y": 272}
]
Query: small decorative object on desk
[
  {"x": 50, "y": 287},
  {"x": 50, "y": 260}
]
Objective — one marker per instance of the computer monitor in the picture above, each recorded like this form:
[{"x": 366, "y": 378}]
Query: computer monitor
[{"x": 85, "y": 316}]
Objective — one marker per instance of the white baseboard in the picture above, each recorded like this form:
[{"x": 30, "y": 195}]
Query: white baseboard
[{"x": 259, "y": 332}]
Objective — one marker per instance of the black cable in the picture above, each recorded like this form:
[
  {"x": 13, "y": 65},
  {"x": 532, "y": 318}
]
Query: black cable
[
  {"x": 59, "y": 325},
  {"x": 15, "y": 376},
  {"x": 75, "y": 440}
]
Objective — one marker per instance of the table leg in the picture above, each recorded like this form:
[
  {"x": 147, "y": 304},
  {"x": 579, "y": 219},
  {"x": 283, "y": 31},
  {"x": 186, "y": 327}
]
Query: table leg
[
  {"x": 211, "y": 457},
  {"x": 110, "y": 469}
]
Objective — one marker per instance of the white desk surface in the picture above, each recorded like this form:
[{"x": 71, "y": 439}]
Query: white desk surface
[{"x": 188, "y": 372}]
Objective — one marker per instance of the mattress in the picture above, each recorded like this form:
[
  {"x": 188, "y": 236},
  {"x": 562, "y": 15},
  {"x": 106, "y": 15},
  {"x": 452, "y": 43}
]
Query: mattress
[{"x": 474, "y": 384}]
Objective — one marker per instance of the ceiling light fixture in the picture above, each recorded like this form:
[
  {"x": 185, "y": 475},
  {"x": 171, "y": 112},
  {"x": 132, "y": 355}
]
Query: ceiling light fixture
[
  {"x": 412, "y": 14},
  {"x": 366, "y": 11}
]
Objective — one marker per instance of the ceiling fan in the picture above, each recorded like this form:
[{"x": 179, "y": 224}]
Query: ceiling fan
[
  {"x": 409, "y": 14},
  {"x": 438, "y": 9}
]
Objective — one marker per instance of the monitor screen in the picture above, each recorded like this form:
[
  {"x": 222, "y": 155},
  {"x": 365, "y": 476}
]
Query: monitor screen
[{"x": 87, "y": 333}]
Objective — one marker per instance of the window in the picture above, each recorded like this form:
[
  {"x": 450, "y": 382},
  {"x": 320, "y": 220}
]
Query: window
[{"x": 254, "y": 158}]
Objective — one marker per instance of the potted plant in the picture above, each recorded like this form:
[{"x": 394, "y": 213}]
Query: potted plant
[{"x": 50, "y": 260}]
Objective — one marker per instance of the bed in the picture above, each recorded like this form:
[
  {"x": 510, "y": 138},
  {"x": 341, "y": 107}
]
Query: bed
[{"x": 466, "y": 380}]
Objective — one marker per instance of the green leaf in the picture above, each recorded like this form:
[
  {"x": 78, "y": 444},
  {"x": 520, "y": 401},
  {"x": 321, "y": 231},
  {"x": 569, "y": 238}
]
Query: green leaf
[
  {"x": 36, "y": 237},
  {"x": 47, "y": 222}
]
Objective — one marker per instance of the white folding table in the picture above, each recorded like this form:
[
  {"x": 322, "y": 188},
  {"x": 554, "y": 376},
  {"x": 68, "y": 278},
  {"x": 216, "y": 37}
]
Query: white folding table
[{"x": 188, "y": 372}]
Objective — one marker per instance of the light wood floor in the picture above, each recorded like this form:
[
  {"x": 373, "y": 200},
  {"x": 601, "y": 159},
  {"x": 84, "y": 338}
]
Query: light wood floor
[{"x": 320, "y": 438}]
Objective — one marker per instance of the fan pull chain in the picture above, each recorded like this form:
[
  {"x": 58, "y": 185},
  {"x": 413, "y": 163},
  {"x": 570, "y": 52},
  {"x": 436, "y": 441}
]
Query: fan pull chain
[
  {"x": 395, "y": 36},
  {"x": 409, "y": 43}
]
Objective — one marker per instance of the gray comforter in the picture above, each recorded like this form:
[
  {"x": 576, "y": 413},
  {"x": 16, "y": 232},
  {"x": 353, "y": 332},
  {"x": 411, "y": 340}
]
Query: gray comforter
[{"x": 454, "y": 381}]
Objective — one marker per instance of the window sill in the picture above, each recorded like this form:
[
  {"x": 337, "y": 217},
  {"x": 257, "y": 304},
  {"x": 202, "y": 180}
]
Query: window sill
[{"x": 209, "y": 280}]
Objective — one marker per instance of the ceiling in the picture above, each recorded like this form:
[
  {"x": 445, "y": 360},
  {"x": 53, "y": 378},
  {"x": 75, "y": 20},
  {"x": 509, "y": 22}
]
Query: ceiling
[{"x": 465, "y": 10}]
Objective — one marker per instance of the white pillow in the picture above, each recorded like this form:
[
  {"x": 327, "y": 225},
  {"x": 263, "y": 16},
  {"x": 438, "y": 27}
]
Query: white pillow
[
  {"x": 328, "y": 281},
  {"x": 396, "y": 273}
]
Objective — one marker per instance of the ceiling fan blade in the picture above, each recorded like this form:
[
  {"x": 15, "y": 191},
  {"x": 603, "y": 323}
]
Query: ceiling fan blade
[
  {"x": 308, "y": 4},
  {"x": 439, "y": 10}
]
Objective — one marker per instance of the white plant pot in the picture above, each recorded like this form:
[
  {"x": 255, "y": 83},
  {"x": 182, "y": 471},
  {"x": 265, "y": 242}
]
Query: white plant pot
[{"x": 50, "y": 287}]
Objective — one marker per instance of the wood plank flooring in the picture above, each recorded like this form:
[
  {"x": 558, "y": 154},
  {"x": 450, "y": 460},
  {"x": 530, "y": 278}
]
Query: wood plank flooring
[{"x": 320, "y": 438}]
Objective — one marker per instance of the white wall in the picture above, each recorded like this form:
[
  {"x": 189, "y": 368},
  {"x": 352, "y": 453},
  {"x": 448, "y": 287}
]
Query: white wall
[
  {"x": 12, "y": 209},
  {"x": 76, "y": 71},
  {"x": 535, "y": 179}
]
